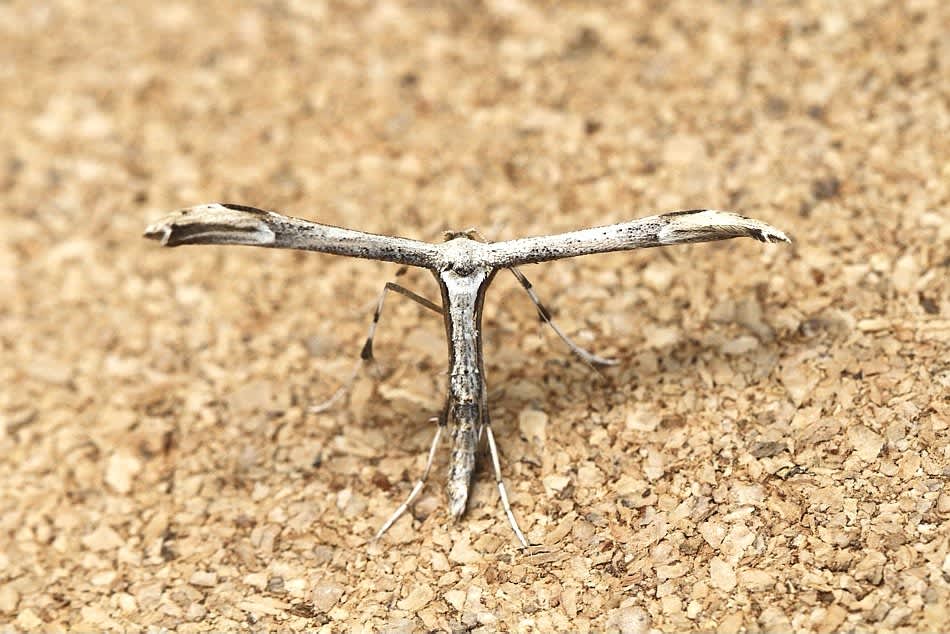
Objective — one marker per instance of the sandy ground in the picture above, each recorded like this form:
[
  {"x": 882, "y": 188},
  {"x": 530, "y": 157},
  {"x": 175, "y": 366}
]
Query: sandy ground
[{"x": 772, "y": 453}]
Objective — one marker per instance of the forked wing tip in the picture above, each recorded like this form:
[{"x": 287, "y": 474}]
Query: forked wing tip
[
  {"x": 214, "y": 223},
  {"x": 761, "y": 231},
  {"x": 729, "y": 223},
  {"x": 770, "y": 234},
  {"x": 159, "y": 231}
]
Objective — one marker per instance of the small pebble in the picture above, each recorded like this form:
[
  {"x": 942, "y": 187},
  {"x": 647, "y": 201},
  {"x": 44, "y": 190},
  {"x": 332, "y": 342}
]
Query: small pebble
[
  {"x": 104, "y": 578},
  {"x": 463, "y": 553},
  {"x": 905, "y": 273},
  {"x": 256, "y": 580},
  {"x": 873, "y": 325},
  {"x": 325, "y": 596},
  {"x": 400, "y": 626},
  {"x": 756, "y": 580},
  {"x": 127, "y": 602},
  {"x": 555, "y": 483},
  {"x": 28, "y": 620},
  {"x": 659, "y": 275},
  {"x": 455, "y": 598},
  {"x": 203, "y": 578},
  {"x": 417, "y": 598},
  {"x": 694, "y": 609},
  {"x": 722, "y": 575},
  {"x": 866, "y": 443},
  {"x": 629, "y": 620},
  {"x": 740, "y": 345},
  {"x": 641, "y": 418},
  {"x": 870, "y": 568},
  {"x": 102, "y": 538},
  {"x": 533, "y": 425},
  {"x": 94, "y": 615},
  {"x": 684, "y": 149},
  {"x": 50, "y": 371},
  {"x": 9, "y": 598},
  {"x": 121, "y": 471},
  {"x": 799, "y": 380},
  {"x": 588, "y": 475}
]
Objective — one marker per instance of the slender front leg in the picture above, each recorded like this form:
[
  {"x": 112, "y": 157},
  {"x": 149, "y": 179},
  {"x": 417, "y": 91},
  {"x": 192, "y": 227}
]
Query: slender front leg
[
  {"x": 678, "y": 227},
  {"x": 225, "y": 223},
  {"x": 366, "y": 353},
  {"x": 589, "y": 357}
]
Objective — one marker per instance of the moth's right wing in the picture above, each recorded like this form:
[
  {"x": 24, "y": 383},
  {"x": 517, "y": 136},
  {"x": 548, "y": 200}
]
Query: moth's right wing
[
  {"x": 223, "y": 223},
  {"x": 678, "y": 227}
]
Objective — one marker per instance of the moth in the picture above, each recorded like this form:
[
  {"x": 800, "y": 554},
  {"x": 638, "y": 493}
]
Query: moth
[{"x": 464, "y": 266}]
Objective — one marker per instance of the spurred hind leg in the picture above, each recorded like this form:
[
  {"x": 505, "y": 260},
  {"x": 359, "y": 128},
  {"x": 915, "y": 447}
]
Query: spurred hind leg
[{"x": 589, "y": 357}]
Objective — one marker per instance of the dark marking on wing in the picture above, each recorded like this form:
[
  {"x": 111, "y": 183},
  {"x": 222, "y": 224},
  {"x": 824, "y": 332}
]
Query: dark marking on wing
[
  {"x": 181, "y": 233},
  {"x": 252, "y": 210},
  {"x": 687, "y": 212}
]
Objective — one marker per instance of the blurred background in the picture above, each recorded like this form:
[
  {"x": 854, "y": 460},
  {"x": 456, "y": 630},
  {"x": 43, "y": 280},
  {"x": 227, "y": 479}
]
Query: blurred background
[{"x": 771, "y": 453}]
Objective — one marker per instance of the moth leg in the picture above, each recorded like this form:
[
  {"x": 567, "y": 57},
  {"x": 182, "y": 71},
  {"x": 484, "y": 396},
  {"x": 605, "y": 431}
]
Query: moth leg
[
  {"x": 589, "y": 357},
  {"x": 502, "y": 492},
  {"x": 366, "y": 354},
  {"x": 417, "y": 488}
]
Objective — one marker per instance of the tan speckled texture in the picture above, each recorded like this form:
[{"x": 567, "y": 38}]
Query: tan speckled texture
[{"x": 772, "y": 454}]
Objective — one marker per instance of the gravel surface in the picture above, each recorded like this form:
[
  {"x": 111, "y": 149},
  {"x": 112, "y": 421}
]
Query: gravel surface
[{"x": 771, "y": 454}]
